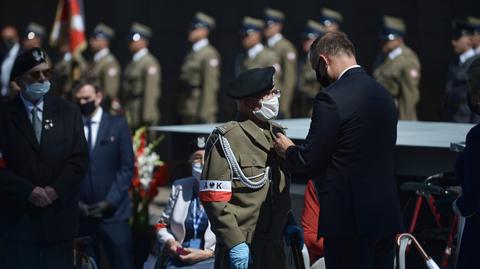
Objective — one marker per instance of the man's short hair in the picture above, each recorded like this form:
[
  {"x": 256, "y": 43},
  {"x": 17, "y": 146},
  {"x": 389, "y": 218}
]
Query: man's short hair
[
  {"x": 332, "y": 44},
  {"x": 77, "y": 85}
]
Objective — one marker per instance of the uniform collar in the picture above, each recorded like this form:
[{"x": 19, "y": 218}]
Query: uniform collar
[
  {"x": 139, "y": 54},
  {"x": 200, "y": 44},
  {"x": 254, "y": 131},
  {"x": 67, "y": 57},
  {"x": 100, "y": 54},
  {"x": 466, "y": 55},
  {"x": 255, "y": 50},
  {"x": 274, "y": 39},
  {"x": 477, "y": 50},
  {"x": 395, "y": 53}
]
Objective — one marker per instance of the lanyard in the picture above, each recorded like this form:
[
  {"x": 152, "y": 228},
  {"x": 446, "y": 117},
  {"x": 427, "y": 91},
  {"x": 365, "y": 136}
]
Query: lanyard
[{"x": 196, "y": 220}]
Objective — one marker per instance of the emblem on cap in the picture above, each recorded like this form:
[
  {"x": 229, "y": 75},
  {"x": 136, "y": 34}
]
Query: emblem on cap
[
  {"x": 38, "y": 55},
  {"x": 201, "y": 142}
]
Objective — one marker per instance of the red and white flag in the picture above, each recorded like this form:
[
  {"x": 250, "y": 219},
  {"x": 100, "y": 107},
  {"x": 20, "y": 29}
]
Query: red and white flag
[{"x": 69, "y": 24}]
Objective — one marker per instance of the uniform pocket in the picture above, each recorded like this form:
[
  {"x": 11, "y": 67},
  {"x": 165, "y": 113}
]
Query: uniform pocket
[{"x": 252, "y": 165}]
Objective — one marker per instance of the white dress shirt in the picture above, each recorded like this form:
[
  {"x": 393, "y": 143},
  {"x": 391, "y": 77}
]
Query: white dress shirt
[
  {"x": 200, "y": 44},
  {"x": 466, "y": 55},
  {"x": 139, "y": 54},
  {"x": 395, "y": 53},
  {"x": 100, "y": 54},
  {"x": 29, "y": 106},
  {"x": 95, "y": 124},
  {"x": 255, "y": 50},
  {"x": 274, "y": 40},
  {"x": 348, "y": 68}
]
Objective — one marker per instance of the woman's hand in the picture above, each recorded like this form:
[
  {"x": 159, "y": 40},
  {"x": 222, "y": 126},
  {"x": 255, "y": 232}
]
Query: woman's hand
[
  {"x": 195, "y": 255},
  {"x": 171, "y": 246}
]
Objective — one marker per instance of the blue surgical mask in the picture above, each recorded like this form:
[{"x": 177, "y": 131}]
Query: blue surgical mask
[{"x": 35, "y": 91}]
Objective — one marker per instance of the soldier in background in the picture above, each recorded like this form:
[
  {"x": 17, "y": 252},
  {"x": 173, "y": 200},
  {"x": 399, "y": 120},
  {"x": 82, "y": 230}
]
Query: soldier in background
[
  {"x": 142, "y": 77},
  {"x": 399, "y": 69},
  {"x": 104, "y": 68},
  {"x": 33, "y": 37},
  {"x": 287, "y": 56},
  {"x": 256, "y": 54},
  {"x": 10, "y": 48},
  {"x": 331, "y": 19},
  {"x": 62, "y": 70},
  {"x": 455, "y": 103},
  {"x": 200, "y": 74},
  {"x": 308, "y": 84},
  {"x": 475, "y": 22}
]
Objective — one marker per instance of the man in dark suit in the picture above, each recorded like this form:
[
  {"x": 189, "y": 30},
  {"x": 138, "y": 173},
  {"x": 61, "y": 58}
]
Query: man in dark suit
[
  {"x": 45, "y": 159},
  {"x": 349, "y": 151},
  {"x": 104, "y": 201}
]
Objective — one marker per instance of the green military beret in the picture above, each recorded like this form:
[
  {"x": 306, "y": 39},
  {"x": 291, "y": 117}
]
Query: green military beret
[
  {"x": 330, "y": 16},
  {"x": 138, "y": 31},
  {"x": 392, "y": 28},
  {"x": 274, "y": 16},
  {"x": 202, "y": 20},
  {"x": 103, "y": 31},
  {"x": 252, "y": 82},
  {"x": 250, "y": 24},
  {"x": 34, "y": 30}
]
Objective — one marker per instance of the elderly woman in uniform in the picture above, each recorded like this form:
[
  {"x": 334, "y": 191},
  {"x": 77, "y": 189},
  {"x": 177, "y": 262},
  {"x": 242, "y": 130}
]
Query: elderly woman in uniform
[{"x": 183, "y": 228}]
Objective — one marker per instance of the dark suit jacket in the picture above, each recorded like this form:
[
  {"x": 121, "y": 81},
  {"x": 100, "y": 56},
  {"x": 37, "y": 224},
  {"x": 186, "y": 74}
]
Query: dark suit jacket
[
  {"x": 60, "y": 160},
  {"x": 349, "y": 151},
  {"x": 469, "y": 203},
  {"x": 111, "y": 167}
]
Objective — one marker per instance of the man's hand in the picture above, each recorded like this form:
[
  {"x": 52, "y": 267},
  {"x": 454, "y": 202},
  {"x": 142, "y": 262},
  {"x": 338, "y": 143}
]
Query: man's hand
[
  {"x": 51, "y": 193},
  {"x": 100, "y": 209},
  {"x": 282, "y": 143},
  {"x": 83, "y": 209},
  {"x": 39, "y": 197},
  {"x": 171, "y": 246},
  {"x": 239, "y": 256},
  {"x": 195, "y": 255}
]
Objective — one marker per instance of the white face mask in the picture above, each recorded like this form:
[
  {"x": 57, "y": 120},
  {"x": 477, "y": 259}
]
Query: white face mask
[
  {"x": 197, "y": 170},
  {"x": 269, "y": 109}
]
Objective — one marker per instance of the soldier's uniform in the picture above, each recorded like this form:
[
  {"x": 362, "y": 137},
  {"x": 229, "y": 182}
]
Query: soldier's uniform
[
  {"x": 287, "y": 56},
  {"x": 61, "y": 78},
  {"x": 256, "y": 56},
  {"x": 244, "y": 188},
  {"x": 34, "y": 36},
  {"x": 455, "y": 103},
  {"x": 308, "y": 86},
  {"x": 200, "y": 74},
  {"x": 104, "y": 68},
  {"x": 399, "y": 72},
  {"x": 141, "y": 85}
]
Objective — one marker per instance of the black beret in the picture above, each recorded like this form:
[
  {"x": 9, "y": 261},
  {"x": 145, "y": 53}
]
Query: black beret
[
  {"x": 252, "y": 82},
  {"x": 26, "y": 61}
]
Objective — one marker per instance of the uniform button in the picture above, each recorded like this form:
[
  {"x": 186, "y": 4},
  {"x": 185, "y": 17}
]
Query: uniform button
[{"x": 254, "y": 162}]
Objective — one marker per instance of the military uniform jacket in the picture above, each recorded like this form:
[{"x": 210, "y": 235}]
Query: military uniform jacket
[
  {"x": 61, "y": 76},
  {"x": 106, "y": 72},
  {"x": 239, "y": 213},
  {"x": 264, "y": 58},
  {"x": 141, "y": 91},
  {"x": 308, "y": 83},
  {"x": 287, "y": 79},
  {"x": 401, "y": 77},
  {"x": 200, "y": 80}
]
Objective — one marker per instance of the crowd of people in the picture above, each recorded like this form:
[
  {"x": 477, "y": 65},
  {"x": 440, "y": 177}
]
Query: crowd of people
[
  {"x": 135, "y": 89},
  {"x": 66, "y": 166}
]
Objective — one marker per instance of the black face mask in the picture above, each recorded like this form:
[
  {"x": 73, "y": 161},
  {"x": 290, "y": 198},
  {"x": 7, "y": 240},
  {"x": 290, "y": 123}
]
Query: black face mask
[
  {"x": 474, "y": 107},
  {"x": 8, "y": 44},
  {"x": 321, "y": 73},
  {"x": 88, "y": 108}
]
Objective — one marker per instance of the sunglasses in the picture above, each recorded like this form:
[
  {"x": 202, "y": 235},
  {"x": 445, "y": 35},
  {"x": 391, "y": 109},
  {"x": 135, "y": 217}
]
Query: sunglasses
[{"x": 37, "y": 75}]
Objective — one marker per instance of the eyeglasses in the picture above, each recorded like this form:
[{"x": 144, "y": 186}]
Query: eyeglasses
[{"x": 37, "y": 75}]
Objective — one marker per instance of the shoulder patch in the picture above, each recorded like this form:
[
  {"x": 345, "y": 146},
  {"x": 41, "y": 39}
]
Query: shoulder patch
[
  {"x": 152, "y": 70},
  {"x": 112, "y": 71},
  {"x": 413, "y": 73},
  {"x": 291, "y": 56},
  {"x": 213, "y": 62}
]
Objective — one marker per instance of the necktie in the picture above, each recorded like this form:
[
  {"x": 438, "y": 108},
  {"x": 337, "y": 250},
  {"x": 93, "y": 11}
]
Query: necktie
[
  {"x": 37, "y": 125},
  {"x": 89, "y": 137}
]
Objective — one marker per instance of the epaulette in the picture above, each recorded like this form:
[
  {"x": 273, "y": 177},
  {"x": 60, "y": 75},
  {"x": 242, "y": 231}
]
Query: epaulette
[{"x": 227, "y": 127}]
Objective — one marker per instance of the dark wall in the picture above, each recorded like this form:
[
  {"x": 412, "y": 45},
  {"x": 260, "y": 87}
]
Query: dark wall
[{"x": 428, "y": 25}]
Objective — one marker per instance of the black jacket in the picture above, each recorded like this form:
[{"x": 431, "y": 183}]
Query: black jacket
[
  {"x": 60, "y": 161},
  {"x": 350, "y": 151}
]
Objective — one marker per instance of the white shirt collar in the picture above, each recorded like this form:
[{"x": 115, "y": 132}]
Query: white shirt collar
[
  {"x": 253, "y": 51},
  {"x": 348, "y": 68},
  {"x": 274, "y": 39},
  {"x": 97, "y": 117},
  {"x": 395, "y": 53},
  {"x": 466, "y": 55},
  {"x": 139, "y": 54},
  {"x": 67, "y": 57},
  {"x": 200, "y": 44},
  {"x": 477, "y": 50},
  {"x": 100, "y": 54},
  {"x": 29, "y": 105}
]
